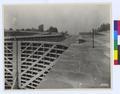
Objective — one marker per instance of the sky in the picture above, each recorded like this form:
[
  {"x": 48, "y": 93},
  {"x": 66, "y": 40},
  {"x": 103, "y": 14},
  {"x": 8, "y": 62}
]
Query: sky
[{"x": 73, "y": 18}]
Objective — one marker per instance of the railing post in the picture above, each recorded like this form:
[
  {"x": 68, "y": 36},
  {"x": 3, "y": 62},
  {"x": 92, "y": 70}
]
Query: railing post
[
  {"x": 19, "y": 64},
  {"x": 16, "y": 53},
  {"x": 15, "y": 65}
]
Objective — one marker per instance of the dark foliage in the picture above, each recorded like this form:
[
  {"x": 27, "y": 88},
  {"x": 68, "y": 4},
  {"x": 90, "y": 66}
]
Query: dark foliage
[
  {"x": 41, "y": 28},
  {"x": 104, "y": 27},
  {"x": 53, "y": 30}
]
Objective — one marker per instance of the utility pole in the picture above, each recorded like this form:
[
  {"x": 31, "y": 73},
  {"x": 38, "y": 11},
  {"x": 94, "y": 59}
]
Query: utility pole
[{"x": 93, "y": 36}]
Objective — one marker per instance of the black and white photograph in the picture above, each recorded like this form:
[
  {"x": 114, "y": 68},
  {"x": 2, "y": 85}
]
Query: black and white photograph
[{"x": 57, "y": 46}]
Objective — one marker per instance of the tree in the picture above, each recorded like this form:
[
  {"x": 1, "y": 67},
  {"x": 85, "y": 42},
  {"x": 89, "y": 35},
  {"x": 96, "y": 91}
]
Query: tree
[
  {"x": 28, "y": 29},
  {"x": 11, "y": 29},
  {"x": 104, "y": 27},
  {"x": 22, "y": 29},
  {"x": 53, "y": 29},
  {"x": 17, "y": 30},
  {"x": 64, "y": 33},
  {"x": 41, "y": 28}
]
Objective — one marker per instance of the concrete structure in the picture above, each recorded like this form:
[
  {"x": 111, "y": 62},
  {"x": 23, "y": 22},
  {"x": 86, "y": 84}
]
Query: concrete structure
[
  {"x": 28, "y": 62},
  {"x": 57, "y": 62}
]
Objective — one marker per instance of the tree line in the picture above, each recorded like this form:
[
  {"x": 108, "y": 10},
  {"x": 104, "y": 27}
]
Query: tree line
[
  {"x": 40, "y": 29},
  {"x": 103, "y": 28}
]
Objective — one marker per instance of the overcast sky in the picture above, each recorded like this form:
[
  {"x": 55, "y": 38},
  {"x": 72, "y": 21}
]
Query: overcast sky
[{"x": 72, "y": 17}]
